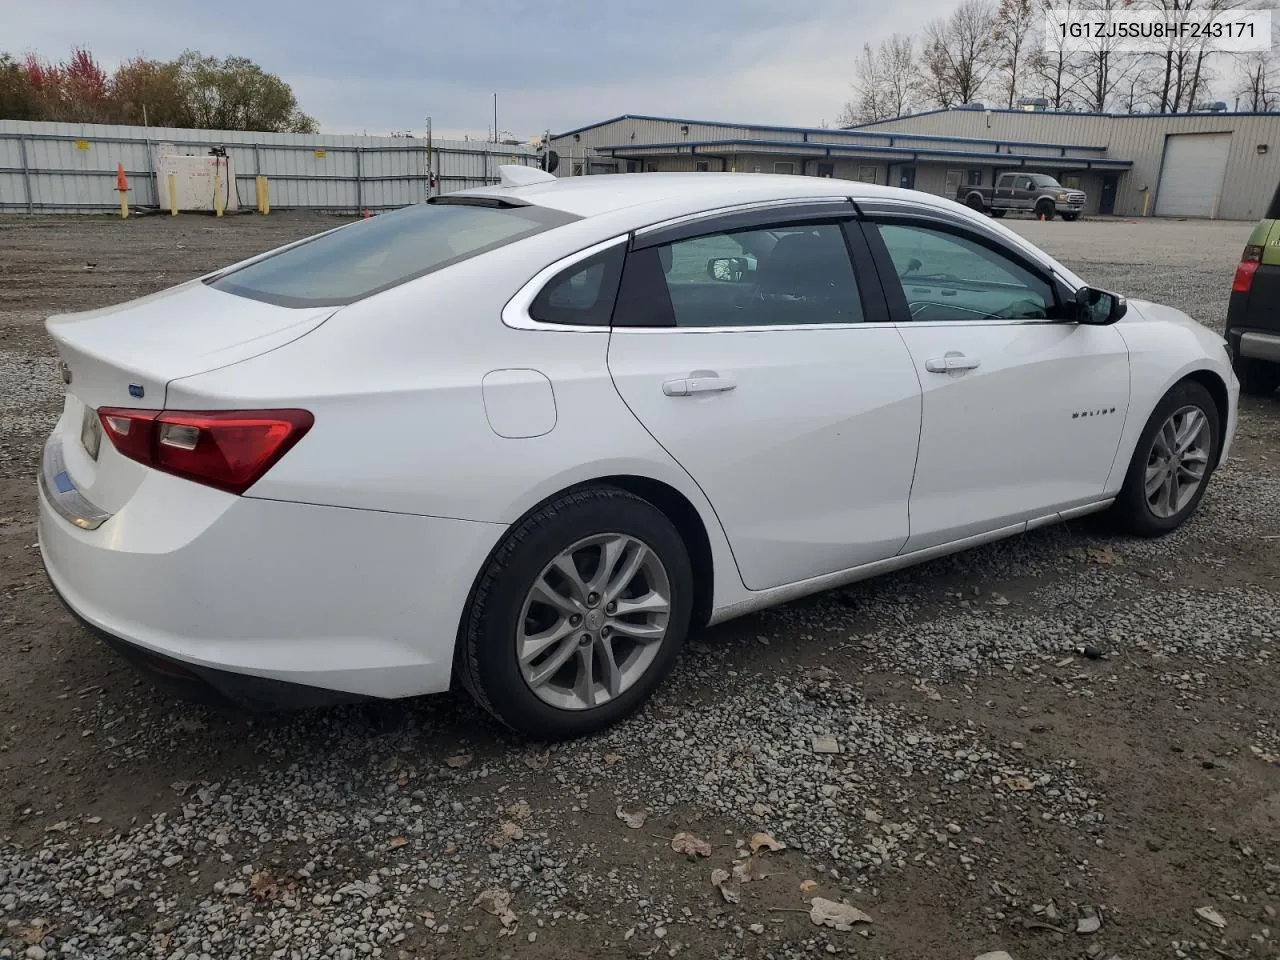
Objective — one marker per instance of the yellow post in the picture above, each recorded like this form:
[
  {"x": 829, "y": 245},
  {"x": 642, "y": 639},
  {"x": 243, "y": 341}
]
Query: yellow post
[
  {"x": 1146, "y": 202},
  {"x": 260, "y": 187},
  {"x": 173, "y": 195},
  {"x": 217, "y": 195},
  {"x": 124, "y": 204},
  {"x": 266, "y": 196}
]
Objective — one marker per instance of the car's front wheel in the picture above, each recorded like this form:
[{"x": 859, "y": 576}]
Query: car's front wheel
[
  {"x": 1172, "y": 462},
  {"x": 578, "y": 616}
]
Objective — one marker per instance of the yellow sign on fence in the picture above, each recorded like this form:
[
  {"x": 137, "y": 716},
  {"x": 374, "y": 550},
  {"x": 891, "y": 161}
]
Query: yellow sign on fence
[
  {"x": 321, "y": 154},
  {"x": 82, "y": 144}
]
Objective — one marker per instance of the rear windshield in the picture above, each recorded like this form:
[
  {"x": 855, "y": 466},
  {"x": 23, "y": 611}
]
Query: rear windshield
[{"x": 363, "y": 258}]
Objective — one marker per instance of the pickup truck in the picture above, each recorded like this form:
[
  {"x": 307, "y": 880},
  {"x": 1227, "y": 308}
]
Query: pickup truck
[{"x": 1036, "y": 193}]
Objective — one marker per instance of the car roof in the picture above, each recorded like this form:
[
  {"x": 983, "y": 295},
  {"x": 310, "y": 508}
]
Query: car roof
[{"x": 604, "y": 193}]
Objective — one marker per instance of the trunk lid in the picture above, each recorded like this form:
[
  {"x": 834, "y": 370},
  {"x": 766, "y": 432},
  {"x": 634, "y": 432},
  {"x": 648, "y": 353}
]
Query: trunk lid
[{"x": 126, "y": 355}]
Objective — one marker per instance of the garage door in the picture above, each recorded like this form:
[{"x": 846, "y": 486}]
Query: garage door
[{"x": 1191, "y": 178}]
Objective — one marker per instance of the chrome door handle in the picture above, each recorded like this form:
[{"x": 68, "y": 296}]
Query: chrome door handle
[
  {"x": 949, "y": 364},
  {"x": 690, "y": 385}
]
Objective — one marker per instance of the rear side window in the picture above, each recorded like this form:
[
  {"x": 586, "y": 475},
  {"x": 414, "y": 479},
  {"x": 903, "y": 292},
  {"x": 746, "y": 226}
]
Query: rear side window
[
  {"x": 582, "y": 294},
  {"x": 364, "y": 258}
]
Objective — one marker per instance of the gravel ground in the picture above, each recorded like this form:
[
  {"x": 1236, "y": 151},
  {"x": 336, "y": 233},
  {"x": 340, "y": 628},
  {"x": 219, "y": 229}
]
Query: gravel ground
[{"x": 1059, "y": 746}]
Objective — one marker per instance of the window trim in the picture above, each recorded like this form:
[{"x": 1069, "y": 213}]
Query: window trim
[
  {"x": 743, "y": 217},
  {"x": 875, "y": 307},
  {"x": 516, "y": 312},
  {"x": 891, "y": 286}
]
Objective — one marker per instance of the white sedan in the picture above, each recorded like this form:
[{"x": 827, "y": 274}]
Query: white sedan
[{"x": 529, "y": 436}]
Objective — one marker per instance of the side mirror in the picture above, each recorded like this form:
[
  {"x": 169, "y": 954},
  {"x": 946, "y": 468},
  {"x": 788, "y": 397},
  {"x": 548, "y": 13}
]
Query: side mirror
[
  {"x": 728, "y": 269},
  {"x": 1098, "y": 307}
]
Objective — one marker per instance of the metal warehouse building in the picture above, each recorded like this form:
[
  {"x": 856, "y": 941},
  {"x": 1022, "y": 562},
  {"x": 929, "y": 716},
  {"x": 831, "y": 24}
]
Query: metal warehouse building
[{"x": 1216, "y": 165}]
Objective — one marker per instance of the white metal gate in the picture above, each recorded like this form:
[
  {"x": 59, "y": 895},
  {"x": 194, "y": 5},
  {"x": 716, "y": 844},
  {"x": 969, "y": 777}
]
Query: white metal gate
[{"x": 1191, "y": 177}]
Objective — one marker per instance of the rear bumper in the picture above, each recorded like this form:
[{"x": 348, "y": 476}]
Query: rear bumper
[
  {"x": 1256, "y": 345},
  {"x": 204, "y": 685},
  {"x": 247, "y": 595}
]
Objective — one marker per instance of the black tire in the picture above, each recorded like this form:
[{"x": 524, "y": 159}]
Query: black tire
[
  {"x": 486, "y": 659},
  {"x": 1131, "y": 509},
  {"x": 1258, "y": 378},
  {"x": 1071, "y": 217},
  {"x": 998, "y": 213},
  {"x": 975, "y": 203},
  {"x": 1045, "y": 210}
]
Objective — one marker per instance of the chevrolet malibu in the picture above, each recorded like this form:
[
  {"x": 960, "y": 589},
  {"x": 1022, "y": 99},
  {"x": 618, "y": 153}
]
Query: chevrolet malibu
[{"x": 529, "y": 436}]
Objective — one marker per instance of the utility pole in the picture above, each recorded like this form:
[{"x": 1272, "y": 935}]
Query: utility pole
[
  {"x": 495, "y": 116},
  {"x": 430, "y": 159}
]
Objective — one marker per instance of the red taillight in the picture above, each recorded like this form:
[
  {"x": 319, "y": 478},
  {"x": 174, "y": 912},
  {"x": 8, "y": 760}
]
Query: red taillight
[
  {"x": 1249, "y": 262},
  {"x": 227, "y": 449}
]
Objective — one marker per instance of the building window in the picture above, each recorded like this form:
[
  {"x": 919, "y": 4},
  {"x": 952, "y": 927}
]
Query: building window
[
  {"x": 1070, "y": 180},
  {"x": 633, "y": 166},
  {"x": 826, "y": 169},
  {"x": 867, "y": 174},
  {"x": 701, "y": 166},
  {"x": 784, "y": 166},
  {"x": 975, "y": 178}
]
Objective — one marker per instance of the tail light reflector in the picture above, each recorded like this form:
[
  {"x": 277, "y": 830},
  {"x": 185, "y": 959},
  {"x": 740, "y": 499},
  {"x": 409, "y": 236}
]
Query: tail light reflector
[
  {"x": 227, "y": 449},
  {"x": 1249, "y": 262}
]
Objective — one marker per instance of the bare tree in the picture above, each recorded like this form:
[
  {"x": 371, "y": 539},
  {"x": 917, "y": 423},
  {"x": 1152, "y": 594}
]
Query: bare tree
[
  {"x": 1102, "y": 69},
  {"x": 1053, "y": 67},
  {"x": 960, "y": 54},
  {"x": 1185, "y": 66},
  {"x": 1257, "y": 81},
  {"x": 886, "y": 83},
  {"x": 1015, "y": 22}
]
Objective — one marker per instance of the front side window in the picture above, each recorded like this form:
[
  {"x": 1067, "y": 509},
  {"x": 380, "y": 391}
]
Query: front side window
[
  {"x": 948, "y": 276},
  {"x": 366, "y": 257},
  {"x": 783, "y": 275},
  {"x": 975, "y": 178}
]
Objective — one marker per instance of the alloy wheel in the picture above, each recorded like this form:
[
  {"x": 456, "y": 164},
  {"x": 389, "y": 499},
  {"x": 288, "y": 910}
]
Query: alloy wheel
[
  {"x": 593, "y": 621},
  {"x": 1178, "y": 461}
]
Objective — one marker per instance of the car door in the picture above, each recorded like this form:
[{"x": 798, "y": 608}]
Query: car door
[
  {"x": 1004, "y": 191},
  {"x": 752, "y": 350},
  {"x": 1023, "y": 410}
]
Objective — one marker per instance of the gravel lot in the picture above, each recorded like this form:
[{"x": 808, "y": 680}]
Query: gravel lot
[{"x": 1060, "y": 746}]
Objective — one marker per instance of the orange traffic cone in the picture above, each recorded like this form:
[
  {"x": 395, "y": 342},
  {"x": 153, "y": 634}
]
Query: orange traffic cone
[{"x": 367, "y": 215}]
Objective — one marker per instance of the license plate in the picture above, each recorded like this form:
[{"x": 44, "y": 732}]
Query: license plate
[{"x": 91, "y": 432}]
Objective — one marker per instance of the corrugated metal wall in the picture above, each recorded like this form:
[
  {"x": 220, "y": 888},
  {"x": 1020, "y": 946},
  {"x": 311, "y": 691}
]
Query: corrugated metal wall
[
  {"x": 71, "y": 167},
  {"x": 1251, "y": 177},
  {"x": 1253, "y": 169}
]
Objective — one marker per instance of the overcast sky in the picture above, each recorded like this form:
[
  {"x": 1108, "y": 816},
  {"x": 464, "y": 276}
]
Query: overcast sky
[{"x": 383, "y": 65}]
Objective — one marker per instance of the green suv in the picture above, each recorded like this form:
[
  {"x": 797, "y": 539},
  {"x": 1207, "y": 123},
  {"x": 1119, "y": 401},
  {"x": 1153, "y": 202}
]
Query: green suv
[{"x": 1253, "y": 315}]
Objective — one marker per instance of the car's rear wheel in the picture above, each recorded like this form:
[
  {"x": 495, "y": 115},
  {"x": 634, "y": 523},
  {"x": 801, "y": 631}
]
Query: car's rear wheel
[
  {"x": 1045, "y": 210},
  {"x": 1257, "y": 378},
  {"x": 975, "y": 203},
  {"x": 1172, "y": 462},
  {"x": 579, "y": 614}
]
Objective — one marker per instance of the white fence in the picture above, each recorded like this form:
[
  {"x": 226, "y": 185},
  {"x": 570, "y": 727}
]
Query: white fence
[{"x": 71, "y": 167}]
